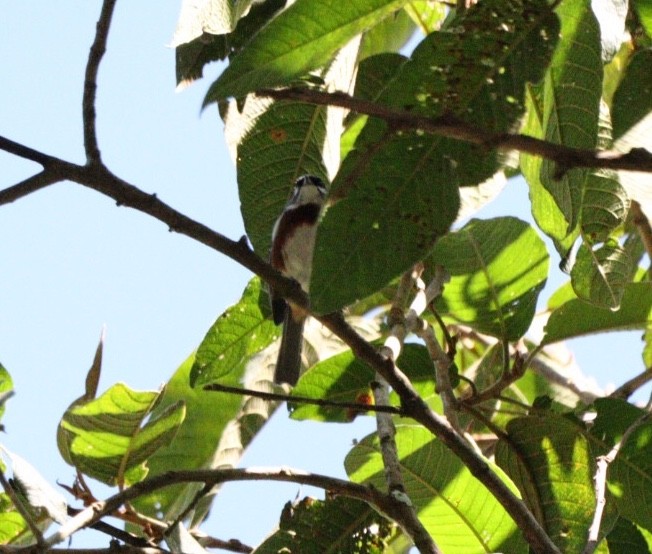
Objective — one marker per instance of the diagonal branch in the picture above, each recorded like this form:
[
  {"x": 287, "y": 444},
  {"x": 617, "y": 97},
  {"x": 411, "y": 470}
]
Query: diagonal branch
[
  {"x": 90, "y": 82},
  {"x": 416, "y": 408},
  {"x": 637, "y": 159},
  {"x": 102, "y": 180}
]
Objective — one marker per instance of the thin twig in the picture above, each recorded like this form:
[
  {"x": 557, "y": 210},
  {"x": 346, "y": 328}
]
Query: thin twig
[
  {"x": 277, "y": 397},
  {"x": 638, "y": 159},
  {"x": 90, "y": 82}
]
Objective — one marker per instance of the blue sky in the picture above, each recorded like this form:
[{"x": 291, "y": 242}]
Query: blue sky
[{"x": 73, "y": 262}]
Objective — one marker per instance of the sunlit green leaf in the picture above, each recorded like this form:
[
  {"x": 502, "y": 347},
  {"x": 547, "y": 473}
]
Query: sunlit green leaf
[
  {"x": 550, "y": 460},
  {"x": 390, "y": 35},
  {"x": 344, "y": 378},
  {"x": 111, "y": 437},
  {"x": 498, "y": 268},
  {"x": 443, "y": 491},
  {"x": 191, "y": 57},
  {"x": 304, "y": 37},
  {"x": 240, "y": 332},
  {"x": 576, "y": 317},
  {"x": 198, "y": 445},
  {"x": 12, "y": 525},
  {"x": 565, "y": 111}
]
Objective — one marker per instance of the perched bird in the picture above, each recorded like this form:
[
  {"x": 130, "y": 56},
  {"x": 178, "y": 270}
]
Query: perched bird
[{"x": 293, "y": 243}]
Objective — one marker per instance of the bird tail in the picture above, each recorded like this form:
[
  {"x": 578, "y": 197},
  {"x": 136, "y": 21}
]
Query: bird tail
[{"x": 288, "y": 363}]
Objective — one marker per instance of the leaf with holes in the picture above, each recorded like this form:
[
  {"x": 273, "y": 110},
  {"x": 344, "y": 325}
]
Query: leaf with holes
[
  {"x": 498, "y": 268},
  {"x": 443, "y": 491}
]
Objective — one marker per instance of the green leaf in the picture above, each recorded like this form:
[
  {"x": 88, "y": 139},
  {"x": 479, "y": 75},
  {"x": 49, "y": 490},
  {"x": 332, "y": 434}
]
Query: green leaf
[
  {"x": 565, "y": 111},
  {"x": 344, "y": 378},
  {"x": 427, "y": 15},
  {"x": 234, "y": 421},
  {"x": 302, "y": 38},
  {"x": 630, "y": 474},
  {"x": 550, "y": 460},
  {"x": 477, "y": 66},
  {"x": 283, "y": 143},
  {"x": 403, "y": 215},
  {"x": 576, "y": 318},
  {"x": 600, "y": 275},
  {"x": 626, "y": 538},
  {"x": 398, "y": 191},
  {"x": 498, "y": 268},
  {"x": 633, "y": 98},
  {"x": 443, "y": 491},
  {"x": 644, "y": 10},
  {"x": 339, "y": 524},
  {"x": 241, "y": 331},
  {"x": 13, "y": 527},
  {"x": 114, "y": 434},
  {"x": 605, "y": 205}
]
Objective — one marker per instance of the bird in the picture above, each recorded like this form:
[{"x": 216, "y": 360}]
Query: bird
[{"x": 293, "y": 244}]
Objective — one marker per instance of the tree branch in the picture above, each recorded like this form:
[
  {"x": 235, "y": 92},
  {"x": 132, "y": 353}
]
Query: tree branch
[
  {"x": 385, "y": 428},
  {"x": 416, "y": 408},
  {"x": 95, "y": 56},
  {"x": 637, "y": 159},
  {"x": 385, "y": 503}
]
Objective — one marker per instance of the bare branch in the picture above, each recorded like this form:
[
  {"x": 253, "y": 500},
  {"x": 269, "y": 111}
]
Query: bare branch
[
  {"x": 638, "y": 159},
  {"x": 385, "y": 503},
  {"x": 90, "y": 82}
]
